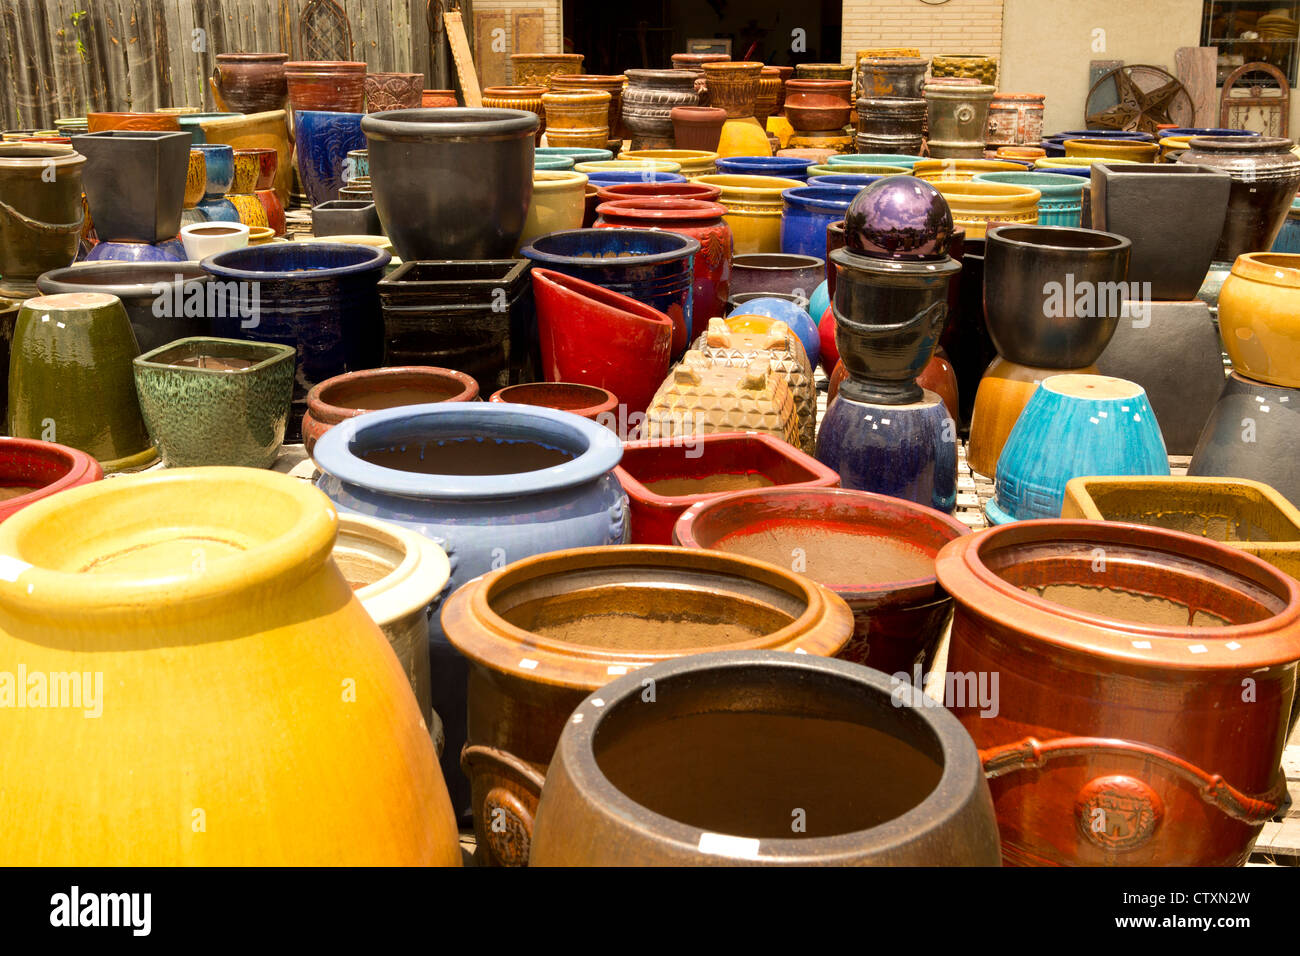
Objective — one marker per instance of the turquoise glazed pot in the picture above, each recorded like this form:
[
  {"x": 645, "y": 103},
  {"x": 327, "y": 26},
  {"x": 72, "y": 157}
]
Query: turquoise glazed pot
[
  {"x": 1074, "y": 425},
  {"x": 192, "y": 123},
  {"x": 1288, "y": 240},
  {"x": 1062, "y": 202},
  {"x": 552, "y": 162},
  {"x": 820, "y": 302},
  {"x": 209, "y": 401},
  {"x": 874, "y": 159}
]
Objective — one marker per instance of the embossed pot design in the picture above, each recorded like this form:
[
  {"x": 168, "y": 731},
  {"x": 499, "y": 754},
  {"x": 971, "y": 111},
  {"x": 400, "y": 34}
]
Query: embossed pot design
[
  {"x": 526, "y": 98},
  {"x": 536, "y": 69},
  {"x": 1147, "y": 658},
  {"x": 958, "y": 119},
  {"x": 577, "y": 118},
  {"x": 583, "y": 82},
  {"x": 648, "y": 103},
  {"x": 528, "y": 631},
  {"x": 733, "y": 86},
  {"x": 1264, "y": 174},
  {"x": 394, "y": 91},
  {"x": 324, "y": 140},
  {"x": 251, "y": 82},
  {"x": 40, "y": 221}
]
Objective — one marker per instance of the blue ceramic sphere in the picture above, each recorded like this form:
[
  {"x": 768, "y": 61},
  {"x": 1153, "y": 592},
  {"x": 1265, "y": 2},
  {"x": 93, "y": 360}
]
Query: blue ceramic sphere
[
  {"x": 899, "y": 217},
  {"x": 800, "y": 322}
]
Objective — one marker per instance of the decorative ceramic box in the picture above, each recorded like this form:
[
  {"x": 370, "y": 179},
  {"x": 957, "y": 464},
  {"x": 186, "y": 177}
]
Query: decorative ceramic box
[{"x": 698, "y": 398}]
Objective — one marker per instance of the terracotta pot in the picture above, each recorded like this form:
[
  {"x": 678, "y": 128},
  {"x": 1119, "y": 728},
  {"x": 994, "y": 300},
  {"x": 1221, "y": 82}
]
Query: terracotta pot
[
  {"x": 251, "y": 82},
  {"x": 958, "y": 119},
  {"x": 1015, "y": 119},
  {"x": 890, "y": 124},
  {"x": 536, "y": 69},
  {"x": 577, "y": 119},
  {"x": 234, "y": 565},
  {"x": 1125, "y": 762},
  {"x": 162, "y": 122},
  {"x": 975, "y": 66},
  {"x": 694, "y": 190},
  {"x": 40, "y": 221},
  {"x": 394, "y": 91},
  {"x": 34, "y": 470},
  {"x": 648, "y": 104},
  {"x": 355, "y": 393},
  {"x": 585, "y": 401},
  {"x": 438, "y": 99},
  {"x": 526, "y": 631},
  {"x": 733, "y": 86},
  {"x": 816, "y": 105},
  {"x": 585, "y": 83},
  {"x": 1264, "y": 174},
  {"x": 1257, "y": 317},
  {"x": 976, "y": 206},
  {"x": 697, "y": 127},
  {"x": 332, "y": 86},
  {"x": 527, "y": 98},
  {"x": 754, "y": 209}
]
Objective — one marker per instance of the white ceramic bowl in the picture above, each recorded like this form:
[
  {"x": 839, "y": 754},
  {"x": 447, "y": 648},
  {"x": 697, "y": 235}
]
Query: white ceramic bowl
[{"x": 203, "y": 239}]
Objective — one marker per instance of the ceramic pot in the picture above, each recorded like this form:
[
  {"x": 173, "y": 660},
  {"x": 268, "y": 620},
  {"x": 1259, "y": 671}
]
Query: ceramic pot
[
  {"x": 1044, "y": 288},
  {"x": 654, "y": 267},
  {"x": 135, "y": 183},
  {"x": 613, "y": 192},
  {"x": 779, "y": 273},
  {"x": 1015, "y": 119},
  {"x": 635, "y": 167},
  {"x": 875, "y": 552},
  {"x": 1147, "y": 656},
  {"x": 1111, "y": 149},
  {"x": 648, "y": 104},
  {"x": 886, "y": 159},
  {"x": 40, "y": 221},
  {"x": 553, "y": 163},
  {"x": 585, "y": 401},
  {"x": 697, "y": 127},
  {"x": 582, "y": 82},
  {"x": 476, "y": 317},
  {"x": 31, "y": 471},
  {"x": 815, "y": 105},
  {"x": 691, "y": 163},
  {"x": 965, "y": 65},
  {"x": 824, "y": 71},
  {"x": 339, "y": 217},
  {"x": 938, "y": 376},
  {"x": 211, "y": 401},
  {"x": 235, "y": 567},
  {"x": 205, "y": 239},
  {"x": 437, "y": 99},
  {"x": 330, "y": 86},
  {"x": 219, "y": 168},
  {"x": 1250, "y": 421},
  {"x": 192, "y": 123},
  {"x": 957, "y": 118},
  {"x": 169, "y": 251},
  {"x": 319, "y": 297},
  {"x": 960, "y": 170},
  {"x": 895, "y": 76},
  {"x": 701, "y": 221},
  {"x": 87, "y": 401},
  {"x": 577, "y": 119},
  {"x": 1077, "y": 165},
  {"x": 1260, "y": 329},
  {"x": 744, "y": 137},
  {"x": 771, "y": 90},
  {"x": 324, "y": 140},
  {"x": 891, "y": 124},
  {"x": 593, "y": 336},
  {"x": 1060, "y": 200},
  {"x": 861, "y": 169},
  {"x": 754, "y": 209},
  {"x": 526, "y": 98},
  {"x": 251, "y": 82},
  {"x": 1264, "y": 179},
  {"x": 558, "y": 203},
  {"x": 783, "y": 167},
  {"x": 394, "y": 91},
  {"x": 780, "y": 308},
  {"x": 733, "y": 86},
  {"x": 536, "y": 69},
  {"x": 1288, "y": 240},
  {"x": 163, "y": 302},
  {"x": 158, "y": 122},
  {"x": 700, "y": 397},
  {"x": 264, "y": 160},
  {"x": 196, "y": 179},
  {"x": 808, "y": 210},
  {"x": 1074, "y": 425},
  {"x": 540, "y": 482},
  {"x": 274, "y": 210},
  {"x": 410, "y": 149},
  {"x": 977, "y": 206}
]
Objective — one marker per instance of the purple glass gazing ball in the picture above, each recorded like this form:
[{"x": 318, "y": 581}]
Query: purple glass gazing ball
[{"x": 899, "y": 217}]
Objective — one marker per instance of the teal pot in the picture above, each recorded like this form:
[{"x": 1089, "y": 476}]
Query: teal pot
[
  {"x": 553, "y": 162},
  {"x": 209, "y": 401},
  {"x": 40, "y": 220},
  {"x": 874, "y": 159},
  {"x": 1288, "y": 240},
  {"x": 135, "y": 183},
  {"x": 356, "y": 165},
  {"x": 1074, "y": 425},
  {"x": 70, "y": 378},
  {"x": 1062, "y": 202},
  {"x": 575, "y": 153}
]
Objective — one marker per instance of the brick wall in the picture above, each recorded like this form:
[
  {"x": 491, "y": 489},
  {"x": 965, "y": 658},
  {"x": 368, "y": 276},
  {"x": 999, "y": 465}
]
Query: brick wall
[
  {"x": 551, "y": 26},
  {"x": 958, "y": 26}
]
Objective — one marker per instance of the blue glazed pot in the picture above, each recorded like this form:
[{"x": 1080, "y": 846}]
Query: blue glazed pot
[
  {"x": 806, "y": 213},
  {"x": 576, "y": 153},
  {"x": 904, "y": 451},
  {"x": 800, "y": 322},
  {"x": 217, "y": 210},
  {"x": 356, "y": 164},
  {"x": 169, "y": 250},
  {"x": 1206, "y": 131},
  {"x": 787, "y": 167},
  {"x": 611, "y": 177},
  {"x": 1062, "y": 194},
  {"x": 1062, "y": 434},
  {"x": 323, "y": 142},
  {"x": 1083, "y": 171},
  {"x": 220, "y": 162},
  {"x": 552, "y": 162},
  {"x": 1288, "y": 240},
  {"x": 877, "y": 159},
  {"x": 320, "y": 297},
  {"x": 655, "y": 268},
  {"x": 856, "y": 180},
  {"x": 484, "y": 520},
  {"x": 192, "y": 123}
]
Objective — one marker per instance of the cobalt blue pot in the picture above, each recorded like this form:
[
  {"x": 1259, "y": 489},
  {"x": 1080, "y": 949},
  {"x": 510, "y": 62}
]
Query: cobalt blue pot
[
  {"x": 324, "y": 140},
  {"x": 857, "y": 180},
  {"x": 785, "y": 167},
  {"x": 320, "y": 297},
  {"x": 490, "y": 483},
  {"x": 905, "y": 451},
  {"x": 807, "y": 211},
  {"x": 220, "y": 161},
  {"x": 800, "y": 322},
  {"x": 611, "y": 177},
  {"x": 1206, "y": 131},
  {"x": 169, "y": 250}
]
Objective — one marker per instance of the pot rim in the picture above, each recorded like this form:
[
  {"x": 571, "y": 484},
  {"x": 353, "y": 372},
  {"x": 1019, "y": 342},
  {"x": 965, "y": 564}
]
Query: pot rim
[
  {"x": 252, "y": 57},
  {"x": 322, "y": 409},
  {"x": 1257, "y": 267},
  {"x": 31, "y": 155},
  {"x": 489, "y": 640},
  {"x": 1269, "y": 642},
  {"x": 1047, "y": 183},
  {"x": 79, "y": 466},
  {"x": 1252, "y": 144},
  {"x": 553, "y": 180},
  {"x": 685, "y": 246},
  {"x": 324, "y": 66},
  {"x": 375, "y": 259},
  {"x": 802, "y": 196},
  {"x": 606, "y": 298},
  {"x": 741, "y": 186},
  {"x": 759, "y": 162},
  {"x": 334, "y": 457},
  {"x": 55, "y": 280},
  {"x": 274, "y": 352},
  {"x": 449, "y": 122},
  {"x": 987, "y": 194},
  {"x": 627, "y": 166},
  {"x": 606, "y": 193},
  {"x": 961, "y": 775},
  {"x": 673, "y": 155},
  {"x": 792, "y": 260},
  {"x": 507, "y": 91},
  {"x": 1001, "y": 235},
  {"x": 418, "y": 578},
  {"x": 539, "y": 57},
  {"x": 608, "y": 400},
  {"x": 671, "y": 208},
  {"x": 944, "y": 266}
]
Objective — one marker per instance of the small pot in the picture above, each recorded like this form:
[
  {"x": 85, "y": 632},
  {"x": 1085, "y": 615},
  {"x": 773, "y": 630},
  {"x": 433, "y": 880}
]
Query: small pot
[
  {"x": 697, "y": 127},
  {"x": 33, "y": 470},
  {"x": 40, "y": 221},
  {"x": 817, "y": 105},
  {"x": 340, "y": 217},
  {"x": 585, "y": 401},
  {"x": 203, "y": 239}
]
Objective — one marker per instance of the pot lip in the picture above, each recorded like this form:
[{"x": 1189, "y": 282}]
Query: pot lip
[
  {"x": 980, "y": 90},
  {"x": 375, "y": 259},
  {"x": 655, "y": 208},
  {"x": 1042, "y": 180},
  {"x": 607, "y": 194},
  {"x": 539, "y": 57},
  {"x": 246, "y": 57},
  {"x": 1080, "y": 490},
  {"x": 505, "y": 90},
  {"x": 1273, "y": 268},
  {"x": 1272, "y": 641},
  {"x": 449, "y": 122},
  {"x": 274, "y": 354},
  {"x": 942, "y": 266},
  {"x": 552, "y": 180},
  {"x": 804, "y": 196},
  {"x": 673, "y": 155},
  {"x": 743, "y": 186},
  {"x": 411, "y": 586},
  {"x": 81, "y": 469},
  {"x": 760, "y": 162},
  {"x": 1251, "y": 144},
  {"x": 606, "y": 298},
  {"x": 318, "y": 66},
  {"x": 1115, "y": 242},
  {"x": 64, "y": 279},
  {"x": 988, "y": 194},
  {"x": 789, "y": 260},
  {"x": 697, "y": 113},
  {"x": 1110, "y": 143},
  {"x": 334, "y": 457},
  {"x": 26, "y": 155},
  {"x": 608, "y": 400},
  {"x": 686, "y": 246},
  {"x": 323, "y": 410},
  {"x": 960, "y": 779},
  {"x": 490, "y": 641}
]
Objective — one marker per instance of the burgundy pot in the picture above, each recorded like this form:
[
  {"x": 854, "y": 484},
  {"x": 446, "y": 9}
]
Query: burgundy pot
[
  {"x": 701, "y": 221},
  {"x": 32, "y": 470},
  {"x": 818, "y": 105},
  {"x": 585, "y": 401},
  {"x": 251, "y": 82},
  {"x": 874, "y": 551},
  {"x": 336, "y": 86},
  {"x": 834, "y": 240},
  {"x": 394, "y": 91},
  {"x": 268, "y": 161},
  {"x": 355, "y": 393},
  {"x": 697, "y": 127},
  {"x": 1145, "y": 678},
  {"x": 615, "y": 191}
]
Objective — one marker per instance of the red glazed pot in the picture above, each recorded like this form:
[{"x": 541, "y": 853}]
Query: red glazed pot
[
  {"x": 270, "y": 200},
  {"x": 938, "y": 376},
  {"x": 697, "y": 127},
  {"x": 702, "y": 191},
  {"x": 593, "y": 336},
  {"x": 818, "y": 105},
  {"x": 32, "y": 470},
  {"x": 586, "y": 401},
  {"x": 355, "y": 393},
  {"x": 874, "y": 551},
  {"x": 663, "y": 478},
  {"x": 331, "y": 85},
  {"x": 268, "y": 161},
  {"x": 701, "y": 221},
  {"x": 830, "y": 356},
  {"x": 1145, "y": 678}
]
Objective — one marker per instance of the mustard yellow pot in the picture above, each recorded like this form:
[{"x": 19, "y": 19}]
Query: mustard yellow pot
[
  {"x": 743, "y": 137},
  {"x": 628, "y": 166},
  {"x": 1074, "y": 162},
  {"x": 754, "y": 209},
  {"x": 1106, "y": 149},
  {"x": 960, "y": 170},
  {"x": 977, "y": 205},
  {"x": 1259, "y": 317},
  {"x": 559, "y": 200},
  {"x": 196, "y": 178}
]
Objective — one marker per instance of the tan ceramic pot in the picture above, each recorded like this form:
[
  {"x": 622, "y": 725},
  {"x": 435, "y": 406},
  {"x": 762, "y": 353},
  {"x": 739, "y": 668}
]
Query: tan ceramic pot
[
  {"x": 558, "y": 203},
  {"x": 527, "y": 98},
  {"x": 701, "y": 398},
  {"x": 586, "y": 83},
  {"x": 577, "y": 119},
  {"x": 733, "y": 87}
]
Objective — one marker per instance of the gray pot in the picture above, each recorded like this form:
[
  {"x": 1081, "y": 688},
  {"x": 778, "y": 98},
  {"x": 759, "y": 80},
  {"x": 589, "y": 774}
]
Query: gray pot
[
  {"x": 891, "y": 124},
  {"x": 891, "y": 75},
  {"x": 958, "y": 119},
  {"x": 1248, "y": 426},
  {"x": 134, "y": 182},
  {"x": 1036, "y": 286},
  {"x": 1173, "y": 213},
  {"x": 452, "y": 183},
  {"x": 345, "y": 217},
  {"x": 649, "y": 100}
]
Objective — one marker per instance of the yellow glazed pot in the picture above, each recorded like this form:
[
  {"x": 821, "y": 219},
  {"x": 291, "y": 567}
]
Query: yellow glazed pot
[
  {"x": 743, "y": 137},
  {"x": 577, "y": 119},
  {"x": 250, "y": 209},
  {"x": 975, "y": 205},
  {"x": 960, "y": 170},
  {"x": 628, "y": 166},
  {"x": 1067, "y": 162},
  {"x": 754, "y": 209},
  {"x": 1172, "y": 146},
  {"x": 196, "y": 178},
  {"x": 243, "y": 709},
  {"x": 1107, "y": 149},
  {"x": 693, "y": 162},
  {"x": 559, "y": 200},
  {"x": 1259, "y": 317}
]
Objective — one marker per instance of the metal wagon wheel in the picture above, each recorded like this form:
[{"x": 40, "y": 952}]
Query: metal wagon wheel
[{"x": 1138, "y": 97}]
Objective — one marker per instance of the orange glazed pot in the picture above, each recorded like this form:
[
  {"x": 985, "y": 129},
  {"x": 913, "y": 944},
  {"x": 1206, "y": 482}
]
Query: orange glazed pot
[
  {"x": 1145, "y": 679},
  {"x": 99, "y": 122},
  {"x": 544, "y": 632}
]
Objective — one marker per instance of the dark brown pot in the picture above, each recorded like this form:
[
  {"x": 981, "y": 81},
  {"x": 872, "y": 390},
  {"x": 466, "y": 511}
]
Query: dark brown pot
[
  {"x": 891, "y": 124},
  {"x": 734, "y": 742},
  {"x": 585, "y": 401},
  {"x": 251, "y": 82},
  {"x": 818, "y": 105},
  {"x": 1145, "y": 680},
  {"x": 545, "y": 631},
  {"x": 330, "y": 85},
  {"x": 1265, "y": 175},
  {"x": 698, "y": 127}
]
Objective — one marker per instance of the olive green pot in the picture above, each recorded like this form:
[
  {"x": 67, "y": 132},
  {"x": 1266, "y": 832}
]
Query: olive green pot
[
  {"x": 70, "y": 378},
  {"x": 200, "y": 415}
]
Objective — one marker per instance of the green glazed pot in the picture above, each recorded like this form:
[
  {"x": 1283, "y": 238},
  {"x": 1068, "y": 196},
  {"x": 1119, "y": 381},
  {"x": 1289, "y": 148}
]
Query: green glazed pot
[
  {"x": 210, "y": 401},
  {"x": 70, "y": 378}
]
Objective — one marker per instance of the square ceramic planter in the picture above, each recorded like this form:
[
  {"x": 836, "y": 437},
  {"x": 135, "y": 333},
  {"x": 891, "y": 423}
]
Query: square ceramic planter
[
  {"x": 664, "y": 477},
  {"x": 1173, "y": 213},
  {"x": 1248, "y": 515},
  {"x": 345, "y": 217},
  {"x": 210, "y": 401},
  {"x": 134, "y": 182}
]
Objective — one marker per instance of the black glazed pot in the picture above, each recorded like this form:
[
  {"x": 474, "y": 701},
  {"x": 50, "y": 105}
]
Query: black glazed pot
[
  {"x": 345, "y": 217},
  {"x": 134, "y": 182},
  {"x": 452, "y": 183},
  {"x": 1250, "y": 425},
  {"x": 966, "y": 340}
]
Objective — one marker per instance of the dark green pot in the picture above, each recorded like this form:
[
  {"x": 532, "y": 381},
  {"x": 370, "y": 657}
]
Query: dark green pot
[{"x": 216, "y": 416}]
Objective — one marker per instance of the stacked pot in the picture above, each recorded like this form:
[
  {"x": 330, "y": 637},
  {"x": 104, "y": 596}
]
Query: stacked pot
[
  {"x": 957, "y": 117},
  {"x": 819, "y": 110},
  {"x": 891, "y": 110}
]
